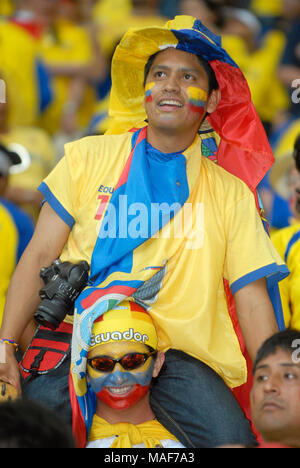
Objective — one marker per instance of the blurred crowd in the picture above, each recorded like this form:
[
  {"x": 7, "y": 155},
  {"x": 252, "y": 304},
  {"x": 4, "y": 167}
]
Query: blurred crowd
[{"x": 55, "y": 87}]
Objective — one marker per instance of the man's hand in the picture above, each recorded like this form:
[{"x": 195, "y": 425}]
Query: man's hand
[
  {"x": 7, "y": 392},
  {"x": 9, "y": 370}
]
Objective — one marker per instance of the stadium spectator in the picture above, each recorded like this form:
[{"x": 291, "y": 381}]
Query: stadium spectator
[
  {"x": 275, "y": 394},
  {"x": 287, "y": 242},
  {"x": 23, "y": 222}
]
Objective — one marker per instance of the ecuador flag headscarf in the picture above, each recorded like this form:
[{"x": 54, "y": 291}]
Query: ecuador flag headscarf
[{"x": 244, "y": 149}]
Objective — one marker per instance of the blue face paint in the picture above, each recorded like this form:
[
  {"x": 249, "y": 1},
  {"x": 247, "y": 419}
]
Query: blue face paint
[
  {"x": 122, "y": 389},
  {"x": 120, "y": 378}
]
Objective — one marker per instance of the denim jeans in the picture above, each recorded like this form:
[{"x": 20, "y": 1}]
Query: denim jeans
[
  {"x": 193, "y": 403},
  {"x": 188, "y": 398},
  {"x": 51, "y": 390}
]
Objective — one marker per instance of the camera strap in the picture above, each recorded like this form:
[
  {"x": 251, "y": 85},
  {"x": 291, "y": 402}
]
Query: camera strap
[{"x": 47, "y": 350}]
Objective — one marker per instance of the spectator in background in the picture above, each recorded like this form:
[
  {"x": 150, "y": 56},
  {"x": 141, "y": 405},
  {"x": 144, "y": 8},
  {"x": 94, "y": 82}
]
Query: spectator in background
[
  {"x": 67, "y": 51},
  {"x": 13, "y": 225},
  {"x": 275, "y": 398},
  {"x": 24, "y": 73},
  {"x": 6, "y": 8},
  {"x": 23, "y": 222},
  {"x": 289, "y": 70},
  {"x": 34, "y": 20},
  {"x": 287, "y": 241},
  {"x": 38, "y": 158},
  {"x": 258, "y": 55},
  {"x": 169, "y": 8},
  {"x": 269, "y": 12},
  {"x": 283, "y": 176},
  {"x": 208, "y": 11},
  {"x": 8, "y": 252}
]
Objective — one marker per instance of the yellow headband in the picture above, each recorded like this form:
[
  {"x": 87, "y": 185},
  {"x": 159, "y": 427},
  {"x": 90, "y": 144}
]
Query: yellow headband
[{"x": 128, "y": 322}]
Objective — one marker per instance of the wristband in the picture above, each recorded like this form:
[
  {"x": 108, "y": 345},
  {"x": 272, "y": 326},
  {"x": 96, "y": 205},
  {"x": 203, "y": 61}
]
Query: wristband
[{"x": 11, "y": 342}]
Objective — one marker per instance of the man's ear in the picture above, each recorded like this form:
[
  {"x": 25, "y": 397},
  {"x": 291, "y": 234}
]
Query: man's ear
[
  {"x": 213, "y": 101},
  {"x": 160, "y": 359}
]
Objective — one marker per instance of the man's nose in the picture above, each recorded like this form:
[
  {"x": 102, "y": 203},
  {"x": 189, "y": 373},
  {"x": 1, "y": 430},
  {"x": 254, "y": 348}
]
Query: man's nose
[
  {"x": 117, "y": 376},
  {"x": 172, "y": 84},
  {"x": 272, "y": 384}
]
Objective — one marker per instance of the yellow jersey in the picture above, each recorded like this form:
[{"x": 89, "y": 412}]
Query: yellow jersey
[
  {"x": 225, "y": 239},
  {"x": 287, "y": 242},
  {"x": 8, "y": 253}
]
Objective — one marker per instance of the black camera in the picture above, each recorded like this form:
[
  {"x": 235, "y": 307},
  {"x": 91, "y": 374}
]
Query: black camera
[{"x": 64, "y": 281}]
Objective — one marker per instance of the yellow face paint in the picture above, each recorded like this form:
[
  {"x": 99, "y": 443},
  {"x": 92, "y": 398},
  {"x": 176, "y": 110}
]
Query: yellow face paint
[
  {"x": 197, "y": 99},
  {"x": 148, "y": 91}
]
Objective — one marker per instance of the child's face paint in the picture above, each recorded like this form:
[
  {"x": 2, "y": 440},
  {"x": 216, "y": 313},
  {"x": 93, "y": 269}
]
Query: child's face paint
[
  {"x": 148, "y": 91},
  {"x": 120, "y": 389},
  {"x": 197, "y": 99}
]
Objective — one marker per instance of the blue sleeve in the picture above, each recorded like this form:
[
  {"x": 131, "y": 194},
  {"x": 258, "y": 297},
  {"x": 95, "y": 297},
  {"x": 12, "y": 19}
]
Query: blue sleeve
[{"x": 56, "y": 205}]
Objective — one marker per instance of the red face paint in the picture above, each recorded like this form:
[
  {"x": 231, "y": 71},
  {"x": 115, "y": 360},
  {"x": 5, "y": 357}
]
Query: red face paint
[
  {"x": 197, "y": 109},
  {"x": 148, "y": 92},
  {"x": 197, "y": 99},
  {"x": 121, "y": 402}
]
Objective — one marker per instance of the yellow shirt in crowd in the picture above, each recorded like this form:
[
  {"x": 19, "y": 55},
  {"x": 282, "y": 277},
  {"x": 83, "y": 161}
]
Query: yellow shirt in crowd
[
  {"x": 8, "y": 253},
  {"x": 287, "y": 242},
  {"x": 6, "y": 7},
  {"x": 19, "y": 53},
  {"x": 70, "y": 46},
  {"x": 42, "y": 158}
]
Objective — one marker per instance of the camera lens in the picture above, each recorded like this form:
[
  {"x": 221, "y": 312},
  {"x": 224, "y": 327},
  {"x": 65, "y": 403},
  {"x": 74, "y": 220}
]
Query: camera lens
[
  {"x": 50, "y": 314},
  {"x": 63, "y": 284}
]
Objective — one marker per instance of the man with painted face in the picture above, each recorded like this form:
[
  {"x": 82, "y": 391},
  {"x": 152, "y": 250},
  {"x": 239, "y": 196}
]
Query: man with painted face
[
  {"x": 164, "y": 216},
  {"x": 121, "y": 363}
]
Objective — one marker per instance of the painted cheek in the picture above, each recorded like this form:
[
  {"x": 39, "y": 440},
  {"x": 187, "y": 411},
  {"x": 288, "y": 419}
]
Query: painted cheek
[
  {"x": 97, "y": 383},
  {"x": 197, "y": 100},
  {"x": 148, "y": 92}
]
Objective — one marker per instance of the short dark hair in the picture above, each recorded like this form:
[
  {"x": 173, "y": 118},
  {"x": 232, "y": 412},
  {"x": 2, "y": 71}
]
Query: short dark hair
[
  {"x": 27, "y": 424},
  {"x": 282, "y": 340},
  {"x": 212, "y": 80},
  {"x": 297, "y": 152}
]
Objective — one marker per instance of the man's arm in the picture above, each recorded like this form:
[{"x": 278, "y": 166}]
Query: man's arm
[
  {"x": 255, "y": 314},
  {"x": 22, "y": 299}
]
